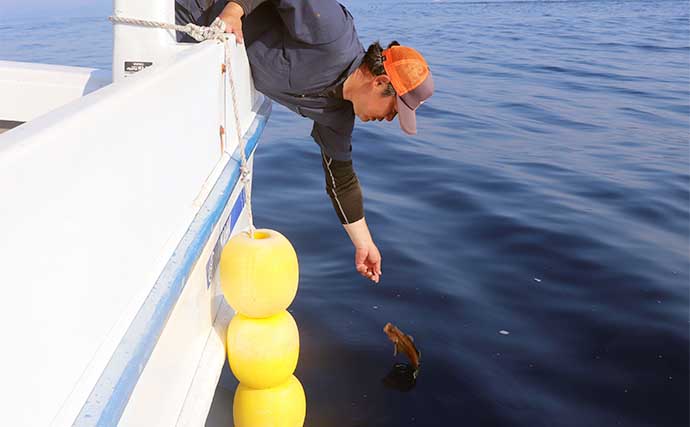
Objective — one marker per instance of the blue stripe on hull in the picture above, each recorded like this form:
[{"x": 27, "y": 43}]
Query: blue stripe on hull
[{"x": 223, "y": 237}]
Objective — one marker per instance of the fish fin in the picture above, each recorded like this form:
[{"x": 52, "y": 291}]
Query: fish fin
[
  {"x": 395, "y": 349},
  {"x": 411, "y": 338}
]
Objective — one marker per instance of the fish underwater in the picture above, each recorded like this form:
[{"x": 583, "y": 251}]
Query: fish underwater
[{"x": 405, "y": 344}]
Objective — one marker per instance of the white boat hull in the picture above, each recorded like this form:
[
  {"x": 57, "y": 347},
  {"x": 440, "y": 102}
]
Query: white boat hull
[{"x": 113, "y": 210}]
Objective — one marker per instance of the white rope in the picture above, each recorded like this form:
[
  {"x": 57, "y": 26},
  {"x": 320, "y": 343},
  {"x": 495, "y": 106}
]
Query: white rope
[
  {"x": 197, "y": 32},
  {"x": 214, "y": 32}
]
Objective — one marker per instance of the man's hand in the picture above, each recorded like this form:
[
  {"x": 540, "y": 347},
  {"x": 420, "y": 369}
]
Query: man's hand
[
  {"x": 231, "y": 15},
  {"x": 367, "y": 256},
  {"x": 368, "y": 262}
]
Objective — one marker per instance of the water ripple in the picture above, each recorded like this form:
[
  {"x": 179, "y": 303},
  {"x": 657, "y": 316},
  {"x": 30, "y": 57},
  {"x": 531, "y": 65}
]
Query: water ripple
[{"x": 547, "y": 194}]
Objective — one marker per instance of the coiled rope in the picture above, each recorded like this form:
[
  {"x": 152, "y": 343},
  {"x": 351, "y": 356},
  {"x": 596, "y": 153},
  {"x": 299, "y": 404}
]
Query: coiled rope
[{"x": 216, "y": 31}]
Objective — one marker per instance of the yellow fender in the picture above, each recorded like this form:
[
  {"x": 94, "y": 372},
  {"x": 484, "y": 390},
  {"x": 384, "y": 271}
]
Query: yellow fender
[
  {"x": 259, "y": 275},
  {"x": 282, "y": 406},
  {"x": 263, "y": 352}
]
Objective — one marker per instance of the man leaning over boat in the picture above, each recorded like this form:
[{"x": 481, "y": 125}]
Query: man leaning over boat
[{"x": 306, "y": 55}]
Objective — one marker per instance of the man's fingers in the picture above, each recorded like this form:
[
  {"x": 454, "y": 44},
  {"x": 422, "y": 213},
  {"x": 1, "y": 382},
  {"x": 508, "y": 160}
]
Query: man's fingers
[
  {"x": 369, "y": 274},
  {"x": 374, "y": 262},
  {"x": 373, "y": 273},
  {"x": 368, "y": 263},
  {"x": 375, "y": 266},
  {"x": 237, "y": 33}
]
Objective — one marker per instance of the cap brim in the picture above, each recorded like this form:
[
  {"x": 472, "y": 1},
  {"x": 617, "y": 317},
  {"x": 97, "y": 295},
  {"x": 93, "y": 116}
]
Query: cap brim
[{"x": 407, "y": 118}]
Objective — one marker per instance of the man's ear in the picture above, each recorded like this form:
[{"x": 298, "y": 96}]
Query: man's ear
[{"x": 381, "y": 80}]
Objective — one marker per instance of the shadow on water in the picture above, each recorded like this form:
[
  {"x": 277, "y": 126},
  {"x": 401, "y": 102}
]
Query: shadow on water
[{"x": 401, "y": 377}]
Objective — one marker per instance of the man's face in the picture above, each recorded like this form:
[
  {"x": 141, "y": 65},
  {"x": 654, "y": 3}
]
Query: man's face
[{"x": 371, "y": 104}]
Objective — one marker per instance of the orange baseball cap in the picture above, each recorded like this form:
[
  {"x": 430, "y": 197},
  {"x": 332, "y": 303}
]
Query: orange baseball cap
[{"x": 411, "y": 79}]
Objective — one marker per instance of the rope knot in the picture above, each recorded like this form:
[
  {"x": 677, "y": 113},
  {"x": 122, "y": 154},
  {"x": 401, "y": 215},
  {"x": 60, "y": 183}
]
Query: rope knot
[
  {"x": 214, "y": 32},
  {"x": 245, "y": 173}
]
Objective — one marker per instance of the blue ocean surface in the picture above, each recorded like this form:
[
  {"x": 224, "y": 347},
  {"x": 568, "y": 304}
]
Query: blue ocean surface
[{"x": 535, "y": 234}]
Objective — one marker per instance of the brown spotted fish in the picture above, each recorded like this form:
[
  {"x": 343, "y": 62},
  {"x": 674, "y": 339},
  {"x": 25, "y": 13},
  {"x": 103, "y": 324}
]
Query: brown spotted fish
[{"x": 404, "y": 344}]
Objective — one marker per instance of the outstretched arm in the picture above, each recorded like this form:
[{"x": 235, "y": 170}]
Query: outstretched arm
[{"x": 344, "y": 190}]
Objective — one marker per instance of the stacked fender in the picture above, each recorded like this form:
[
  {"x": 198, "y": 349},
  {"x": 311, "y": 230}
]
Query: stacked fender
[{"x": 259, "y": 276}]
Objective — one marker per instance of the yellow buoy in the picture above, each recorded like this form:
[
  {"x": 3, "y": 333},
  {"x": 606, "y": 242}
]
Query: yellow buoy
[
  {"x": 282, "y": 406},
  {"x": 259, "y": 275},
  {"x": 263, "y": 352}
]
